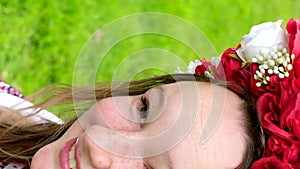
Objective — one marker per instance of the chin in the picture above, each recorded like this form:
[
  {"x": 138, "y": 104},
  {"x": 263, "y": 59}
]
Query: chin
[{"x": 45, "y": 158}]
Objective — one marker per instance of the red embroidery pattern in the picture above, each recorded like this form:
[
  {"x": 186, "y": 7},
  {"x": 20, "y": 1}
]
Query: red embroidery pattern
[{"x": 5, "y": 88}]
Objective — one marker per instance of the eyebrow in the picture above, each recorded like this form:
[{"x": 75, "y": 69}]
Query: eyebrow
[
  {"x": 161, "y": 95},
  {"x": 160, "y": 88}
]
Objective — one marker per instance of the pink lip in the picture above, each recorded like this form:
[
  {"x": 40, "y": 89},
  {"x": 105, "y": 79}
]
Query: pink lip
[{"x": 64, "y": 154}]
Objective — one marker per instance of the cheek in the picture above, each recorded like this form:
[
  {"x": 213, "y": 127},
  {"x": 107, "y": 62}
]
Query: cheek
[
  {"x": 45, "y": 158},
  {"x": 117, "y": 113},
  {"x": 165, "y": 120}
]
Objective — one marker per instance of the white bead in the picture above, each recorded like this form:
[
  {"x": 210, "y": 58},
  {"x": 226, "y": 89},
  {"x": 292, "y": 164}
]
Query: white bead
[
  {"x": 259, "y": 74},
  {"x": 265, "y": 66},
  {"x": 288, "y": 59},
  {"x": 271, "y": 62},
  {"x": 279, "y": 54},
  {"x": 256, "y": 77},
  {"x": 284, "y": 50},
  {"x": 270, "y": 71},
  {"x": 286, "y": 74},
  {"x": 272, "y": 53},
  {"x": 274, "y": 56},
  {"x": 259, "y": 58},
  {"x": 279, "y": 60},
  {"x": 268, "y": 78},
  {"x": 281, "y": 75},
  {"x": 262, "y": 71},
  {"x": 258, "y": 84},
  {"x": 281, "y": 69},
  {"x": 285, "y": 63},
  {"x": 287, "y": 55},
  {"x": 264, "y": 81},
  {"x": 254, "y": 60},
  {"x": 293, "y": 56},
  {"x": 276, "y": 71},
  {"x": 289, "y": 67},
  {"x": 268, "y": 57}
]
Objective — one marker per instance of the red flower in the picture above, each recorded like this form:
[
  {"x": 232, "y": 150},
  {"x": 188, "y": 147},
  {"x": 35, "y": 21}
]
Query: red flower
[
  {"x": 205, "y": 66},
  {"x": 277, "y": 98},
  {"x": 229, "y": 63},
  {"x": 230, "y": 70},
  {"x": 290, "y": 111},
  {"x": 293, "y": 28},
  {"x": 267, "y": 106},
  {"x": 270, "y": 163}
]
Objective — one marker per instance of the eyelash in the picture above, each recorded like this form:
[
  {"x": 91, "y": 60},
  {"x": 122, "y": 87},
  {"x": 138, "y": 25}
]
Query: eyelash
[{"x": 144, "y": 110}]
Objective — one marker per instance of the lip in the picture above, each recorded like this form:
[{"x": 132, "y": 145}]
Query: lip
[{"x": 64, "y": 154}]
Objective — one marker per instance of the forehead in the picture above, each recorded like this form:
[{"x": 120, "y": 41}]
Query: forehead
[
  {"x": 211, "y": 103},
  {"x": 203, "y": 91},
  {"x": 218, "y": 131}
]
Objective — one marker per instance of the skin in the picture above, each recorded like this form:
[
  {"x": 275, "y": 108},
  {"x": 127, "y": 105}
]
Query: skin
[{"x": 223, "y": 148}]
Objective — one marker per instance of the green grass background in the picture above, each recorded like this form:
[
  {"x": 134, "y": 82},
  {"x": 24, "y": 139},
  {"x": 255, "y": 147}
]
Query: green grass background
[{"x": 41, "y": 40}]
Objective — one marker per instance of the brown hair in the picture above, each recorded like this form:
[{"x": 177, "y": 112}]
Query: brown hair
[{"x": 30, "y": 138}]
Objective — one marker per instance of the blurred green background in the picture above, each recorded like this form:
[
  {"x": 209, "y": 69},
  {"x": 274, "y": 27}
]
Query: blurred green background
[{"x": 41, "y": 40}]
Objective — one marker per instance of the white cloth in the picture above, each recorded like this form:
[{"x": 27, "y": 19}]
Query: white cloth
[{"x": 14, "y": 102}]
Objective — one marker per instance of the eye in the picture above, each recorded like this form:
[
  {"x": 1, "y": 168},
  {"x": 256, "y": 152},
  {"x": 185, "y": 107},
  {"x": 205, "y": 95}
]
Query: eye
[{"x": 143, "y": 110}]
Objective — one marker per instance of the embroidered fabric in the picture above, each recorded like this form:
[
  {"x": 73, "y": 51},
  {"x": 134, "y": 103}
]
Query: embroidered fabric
[
  {"x": 5, "y": 88},
  {"x": 11, "y": 98}
]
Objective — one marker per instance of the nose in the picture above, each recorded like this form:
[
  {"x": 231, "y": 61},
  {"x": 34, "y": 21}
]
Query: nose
[
  {"x": 99, "y": 158},
  {"x": 118, "y": 114},
  {"x": 102, "y": 159}
]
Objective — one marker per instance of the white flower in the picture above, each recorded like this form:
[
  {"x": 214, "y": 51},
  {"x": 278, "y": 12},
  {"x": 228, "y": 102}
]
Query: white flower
[
  {"x": 215, "y": 61},
  {"x": 191, "y": 67},
  {"x": 263, "y": 39}
]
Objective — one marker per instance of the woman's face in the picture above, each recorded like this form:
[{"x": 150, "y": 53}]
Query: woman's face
[{"x": 188, "y": 125}]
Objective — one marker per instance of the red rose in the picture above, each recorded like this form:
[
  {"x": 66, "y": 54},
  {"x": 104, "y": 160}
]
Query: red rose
[
  {"x": 270, "y": 163},
  {"x": 289, "y": 110},
  {"x": 230, "y": 70},
  {"x": 229, "y": 63},
  {"x": 267, "y": 106},
  {"x": 293, "y": 28},
  {"x": 276, "y": 146},
  {"x": 292, "y": 154},
  {"x": 296, "y": 127},
  {"x": 287, "y": 151},
  {"x": 240, "y": 81}
]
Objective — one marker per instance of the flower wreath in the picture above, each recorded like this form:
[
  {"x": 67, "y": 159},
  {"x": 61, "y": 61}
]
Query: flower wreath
[{"x": 266, "y": 65}]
